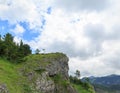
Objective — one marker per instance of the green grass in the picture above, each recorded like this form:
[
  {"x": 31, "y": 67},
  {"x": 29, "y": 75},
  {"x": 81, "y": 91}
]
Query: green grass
[
  {"x": 32, "y": 62},
  {"x": 59, "y": 80},
  {"x": 10, "y": 77},
  {"x": 81, "y": 89},
  {"x": 41, "y": 57}
]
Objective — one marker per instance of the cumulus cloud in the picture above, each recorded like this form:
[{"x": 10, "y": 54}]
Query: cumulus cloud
[
  {"x": 62, "y": 35},
  {"x": 114, "y": 33},
  {"x": 90, "y": 39},
  {"x": 88, "y": 42},
  {"x": 105, "y": 64},
  {"x": 87, "y": 5},
  {"x": 95, "y": 31},
  {"x": 23, "y": 11},
  {"x": 18, "y": 30}
]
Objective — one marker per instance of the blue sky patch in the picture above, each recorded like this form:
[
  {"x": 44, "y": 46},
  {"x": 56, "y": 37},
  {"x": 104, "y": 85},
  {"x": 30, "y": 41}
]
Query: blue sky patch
[
  {"x": 5, "y": 27},
  {"x": 43, "y": 23},
  {"x": 49, "y": 10},
  {"x": 29, "y": 34}
]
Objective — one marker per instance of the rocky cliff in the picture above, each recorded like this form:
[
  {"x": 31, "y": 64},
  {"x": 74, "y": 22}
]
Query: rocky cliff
[
  {"x": 41, "y": 73},
  {"x": 48, "y": 73}
]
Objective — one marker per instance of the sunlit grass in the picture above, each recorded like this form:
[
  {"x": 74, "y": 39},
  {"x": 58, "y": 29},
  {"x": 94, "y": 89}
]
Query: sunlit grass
[
  {"x": 81, "y": 89},
  {"x": 10, "y": 76}
]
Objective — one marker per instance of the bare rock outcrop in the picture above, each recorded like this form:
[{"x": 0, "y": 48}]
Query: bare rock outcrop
[
  {"x": 50, "y": 75},
  {"x": 3, "y": 88}
]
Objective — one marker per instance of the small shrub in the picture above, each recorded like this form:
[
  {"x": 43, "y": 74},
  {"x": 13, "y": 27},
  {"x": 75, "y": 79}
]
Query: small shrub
[
  {"x": 27, "y": 88},
  {"x": 40, "y": 70}
]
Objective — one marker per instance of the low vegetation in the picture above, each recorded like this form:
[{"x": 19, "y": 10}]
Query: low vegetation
[
  {"x": 81, "y": 87},
  {"x": 10, "y": 77}
]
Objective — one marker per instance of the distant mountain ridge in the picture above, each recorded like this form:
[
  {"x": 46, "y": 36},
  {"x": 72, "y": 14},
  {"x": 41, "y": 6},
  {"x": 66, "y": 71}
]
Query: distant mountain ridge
[
  {"x": 106, "y": 80},
  {"x": 106, "y": 84}
]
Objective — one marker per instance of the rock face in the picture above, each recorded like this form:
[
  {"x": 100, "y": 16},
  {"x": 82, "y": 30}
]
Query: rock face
[
  {"x": 44, "y": 84},
  {"x": 58, "y": 66},
  {"x": 49, "y": 74},
  {"x": 3, "y": 88}
]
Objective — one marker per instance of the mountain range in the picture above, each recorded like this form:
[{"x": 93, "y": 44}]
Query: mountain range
[{"x": 106, "y": 84}]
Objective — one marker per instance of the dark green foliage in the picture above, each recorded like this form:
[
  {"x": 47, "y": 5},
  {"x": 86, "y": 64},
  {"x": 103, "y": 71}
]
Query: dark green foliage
[
  {"x": 1, "y": 47},
  {"x": 75, "y": 80},
  {"x": 57, "y": 78},
  {"x": 86, "y": 85},
  {"x": 27, "y": 88},
  {"x": 12, "y": 51}
]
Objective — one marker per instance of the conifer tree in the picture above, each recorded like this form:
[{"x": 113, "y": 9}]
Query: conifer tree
[{"x": 12, "y": 51}]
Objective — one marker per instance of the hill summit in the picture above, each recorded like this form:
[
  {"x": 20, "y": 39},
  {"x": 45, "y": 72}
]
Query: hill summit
[{"x": 40, "y": 73}]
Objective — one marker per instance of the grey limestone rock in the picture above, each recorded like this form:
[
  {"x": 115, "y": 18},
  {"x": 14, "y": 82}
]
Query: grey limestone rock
[
  {"x": 52, "y": 77},
  {"x": 3, "y": 88},
  {"x": 44, "y": 84}
]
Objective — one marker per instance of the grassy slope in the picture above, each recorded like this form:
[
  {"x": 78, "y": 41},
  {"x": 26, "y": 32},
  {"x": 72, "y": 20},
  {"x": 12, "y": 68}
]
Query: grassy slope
[
  {"x": 9, "y": 75},
  {"x": 81, "y": 89}
]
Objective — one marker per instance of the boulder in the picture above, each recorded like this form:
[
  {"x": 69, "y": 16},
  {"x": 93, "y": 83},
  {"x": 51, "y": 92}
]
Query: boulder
[{"x": 3, "y": 88}]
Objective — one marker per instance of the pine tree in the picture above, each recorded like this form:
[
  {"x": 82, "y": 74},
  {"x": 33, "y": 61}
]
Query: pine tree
[
  {"x": 8, "y": 45},
  {"x": 12, "y": 51}
]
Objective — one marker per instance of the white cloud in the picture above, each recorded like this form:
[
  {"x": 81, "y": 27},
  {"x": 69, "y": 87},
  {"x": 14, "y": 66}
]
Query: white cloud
[
  {"x": 17, "y": 39},
  {"x": 105, "y": 64},
  {"x": 90, "y": 39},
  {"x": 16, "y": 11},
  {"x": 18, "y": 30},
  {"x": 84, "y": 5},
  {"x": 86, "y": 41}
]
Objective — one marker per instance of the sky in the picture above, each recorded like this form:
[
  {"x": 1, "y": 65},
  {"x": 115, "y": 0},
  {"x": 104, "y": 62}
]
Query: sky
[{"x": 87, "y": 31}]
